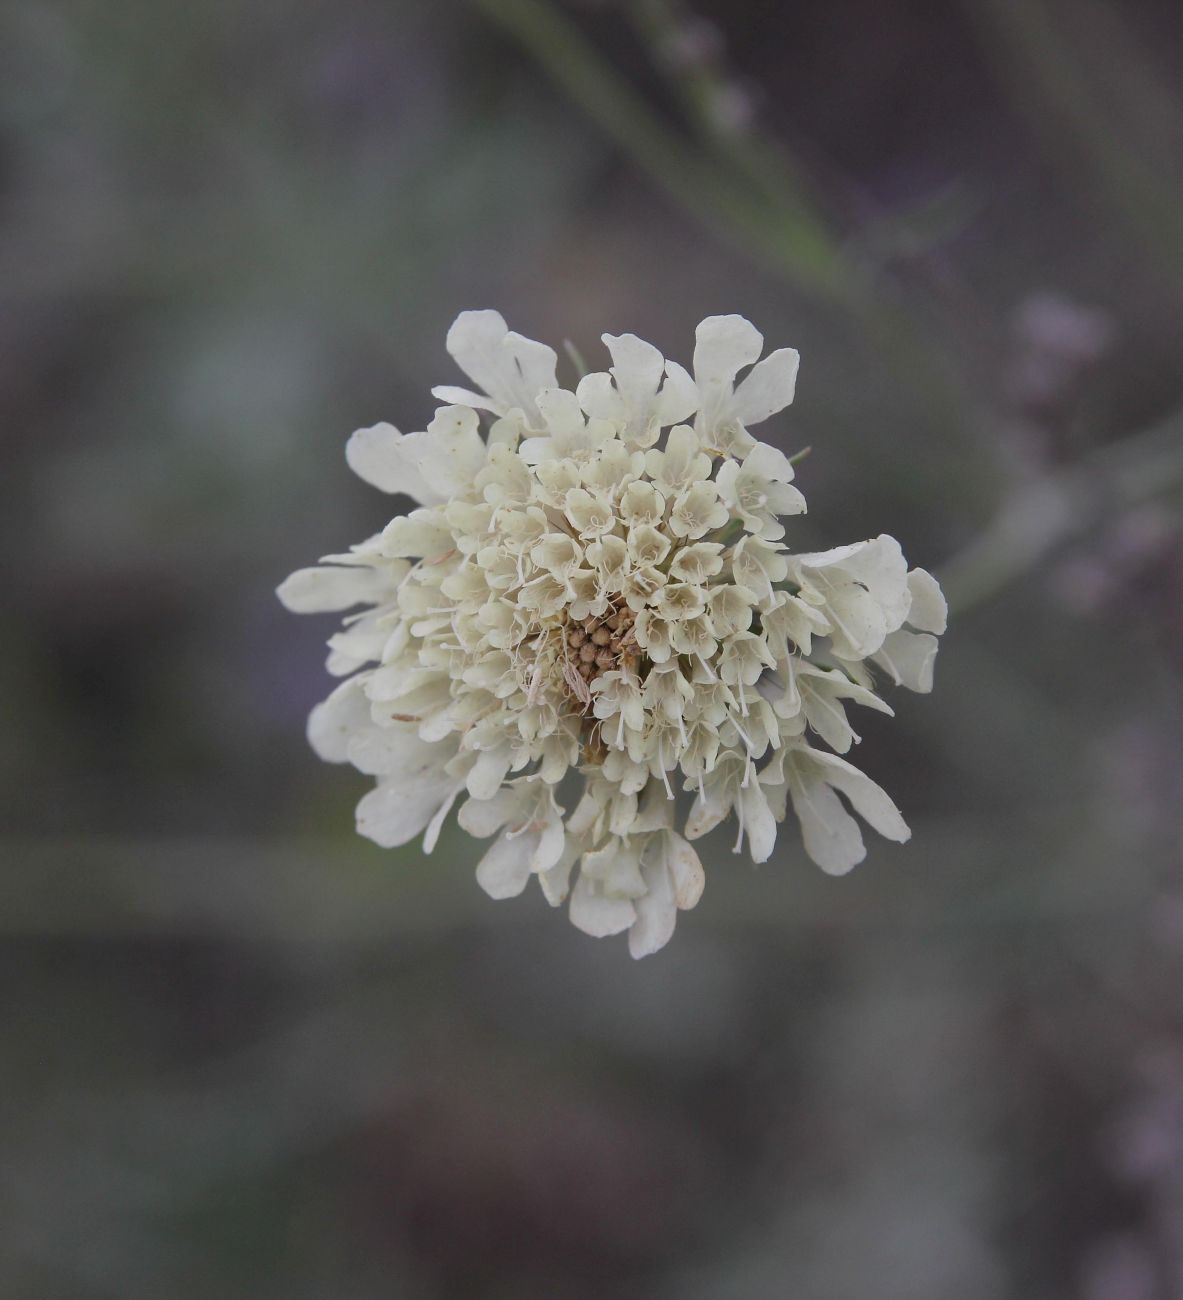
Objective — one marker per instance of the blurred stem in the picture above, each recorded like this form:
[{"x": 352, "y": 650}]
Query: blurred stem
[
  {"x": 794, "y": 242},
  {"x": 700, "y": 84},
  {"x": 576, "y": 358},
  {"x": 1043, "y": 515},
  {"x": 761, "y": 206},
  {"x": 767, "y": 170},
  {"x": 1046, "y": 77}
]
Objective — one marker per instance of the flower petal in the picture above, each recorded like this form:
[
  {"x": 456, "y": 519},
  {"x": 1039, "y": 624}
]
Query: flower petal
[
  {"x": 505, "y": 869},
  {"x": 862, "y": 590},
  {"x": 489, "y": 770},
  {"x": 484, "y": 817},
  {"x": 396, "y": 752},
  {"x": 656, "y": 909},
  {"x": 869, "y": 800},
  {"x": 396, "y": 810},
  {"x": 377, "y": 455},
  {"x": 334, "y": 722},
  {"x": 598, "y": 915},
  {"x": 637, "y": 367},
  {"x": 421, "y": 534},
  {"x": 929, "y": 611},
  {"x": 464, "y": 397},
  {"x": 723, "y": 346},
  {"x": 552, "y": 841},
  {"x": 758, "y": 821},
  {"x": 452, "y": 452},
  {"x": 678, "y": 399},
  {"x": 686, "y": 871},
  {"x": 909, "y": 658},
  {"x": 832, "y": 836},
  {"x": 599, "y": 398},
  {"x": 432, "y": 833},
  {"x": 333, "y": 587},
  {"x": 531, "y": 368},
  {"x": 768, "y": 388},
  {"x": 475, "y": 343},
  {"x": 556, "y": 880}
]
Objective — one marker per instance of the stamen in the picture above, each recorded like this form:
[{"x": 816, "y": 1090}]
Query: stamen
[
  {"x": 738, "y": 846},
  {"x": 743, "y": 735}
]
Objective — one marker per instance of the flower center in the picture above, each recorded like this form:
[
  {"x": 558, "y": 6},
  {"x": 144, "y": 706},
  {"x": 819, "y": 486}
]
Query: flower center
[{"x": 597, "y": 645}]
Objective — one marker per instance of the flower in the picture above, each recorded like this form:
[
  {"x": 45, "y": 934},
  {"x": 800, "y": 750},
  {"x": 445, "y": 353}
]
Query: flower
[{"x": 591, "y": 610}]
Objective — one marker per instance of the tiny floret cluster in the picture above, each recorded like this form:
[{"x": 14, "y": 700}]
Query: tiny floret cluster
[{"x": 592, "y": 635}]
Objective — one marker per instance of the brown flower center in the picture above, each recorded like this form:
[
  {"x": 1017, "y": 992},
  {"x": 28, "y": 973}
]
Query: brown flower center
[{"x": 594, "y": 646}]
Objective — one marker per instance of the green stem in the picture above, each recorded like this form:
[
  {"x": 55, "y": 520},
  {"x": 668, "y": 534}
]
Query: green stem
[
  {"x": 794, "y": 244},
  {"x": 755, "y": 161}
]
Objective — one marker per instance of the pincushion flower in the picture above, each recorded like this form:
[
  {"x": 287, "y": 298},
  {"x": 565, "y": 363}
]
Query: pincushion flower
[{"x": 592, "y": 610}]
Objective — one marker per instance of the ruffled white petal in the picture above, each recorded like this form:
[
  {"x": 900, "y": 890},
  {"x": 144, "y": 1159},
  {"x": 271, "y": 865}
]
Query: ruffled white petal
[
  {"x": 397, "y": 810},
  {"x": 678, "y": 399},
  {"x": 423, "y": 534},
  {"x": 929, "y": 611},
  {"x": 333, "y": 587},
  {"x": 909, "y": 658},
  {"x": 510, "y": 368},
  {"x": 723, "y": 346},
  {"x": 642, "y": 394},
  {"x": 758, "y": 821},
  {"x": 686, "y": 871},
  {"x": 768, "y": 388},
  {"x": 464, "y": 397},
  {"x": 475, "y": 342},
  {"x": 862, "y": 590},
  {"x": 334, "y": 722},
  {"x": 637, "y": 367},
  {"x": 432, "y": 832},
  {"x": 597, "y": 914},
  {"x": 396, "y": 752},
  {"x": 484, "y": 817},
  {"x": 656, "y": 910},
  {"x": 505, "y": 869},
  {"x": 832, "y": 836},
  {"x": 378, "y": 455},
  {"x": 451, "y": 451}
]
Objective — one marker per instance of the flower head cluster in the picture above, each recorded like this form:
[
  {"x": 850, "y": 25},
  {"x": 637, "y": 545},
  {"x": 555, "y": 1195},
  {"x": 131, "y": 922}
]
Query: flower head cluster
[{"x": 594, "y": 603}]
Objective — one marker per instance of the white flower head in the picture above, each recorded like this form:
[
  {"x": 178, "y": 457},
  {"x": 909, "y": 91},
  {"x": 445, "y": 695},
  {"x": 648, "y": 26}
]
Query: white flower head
[{"x": 592, "y": 606}]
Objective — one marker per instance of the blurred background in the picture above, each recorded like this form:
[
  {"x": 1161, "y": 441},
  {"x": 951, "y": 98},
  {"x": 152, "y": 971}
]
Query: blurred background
[{"x": 246, "y": 1053}]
